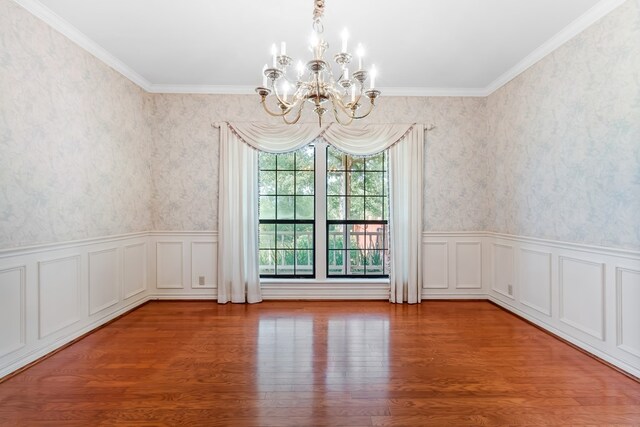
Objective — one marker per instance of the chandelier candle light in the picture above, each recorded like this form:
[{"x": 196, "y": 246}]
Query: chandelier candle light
[{"x": 315, "y": 81}]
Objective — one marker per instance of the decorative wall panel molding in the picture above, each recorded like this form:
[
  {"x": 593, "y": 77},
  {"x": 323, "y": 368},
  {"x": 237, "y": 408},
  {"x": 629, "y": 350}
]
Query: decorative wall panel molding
[
  {"x": 135, "y": 269},
  {"x": 104, "y": 280},
  {"x": 169, "y": 265},
  {"x": 581, "y": 303},
  {"x": 436, "y": 265},
  {"x": 12, "y": 309},
  {"x": 203, "y": 266},
  {"x": 59, "y": 294},
  {"x": 468, "y": 262},
  {"x": 535, "y": 280},
  {"x": 503, "y": 277},
  {"x": 628, "y": 309}
]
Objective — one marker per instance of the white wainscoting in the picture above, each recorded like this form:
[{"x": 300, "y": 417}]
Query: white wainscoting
[
  {"x": 588, "y": 295},
  {"x": 52, "y": 294},
  {"x": 179, "y": 262},
  {"x": 453, "y": 266}
]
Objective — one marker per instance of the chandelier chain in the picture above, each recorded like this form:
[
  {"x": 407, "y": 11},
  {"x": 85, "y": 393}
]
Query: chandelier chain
[{"x": 318, "y": 13}]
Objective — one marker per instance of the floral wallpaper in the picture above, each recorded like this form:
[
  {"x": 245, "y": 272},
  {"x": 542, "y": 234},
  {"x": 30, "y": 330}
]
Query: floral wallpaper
[
  {"x": 564, "y": 138},
  {"x": 553, "y": 154},
  {"x": 185, "y": 156},
  {"x": 74, "y": 139}
]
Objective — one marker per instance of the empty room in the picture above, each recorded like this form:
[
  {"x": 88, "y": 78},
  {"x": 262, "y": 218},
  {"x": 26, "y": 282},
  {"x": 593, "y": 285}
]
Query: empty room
[{"x": 319, "y": 212}]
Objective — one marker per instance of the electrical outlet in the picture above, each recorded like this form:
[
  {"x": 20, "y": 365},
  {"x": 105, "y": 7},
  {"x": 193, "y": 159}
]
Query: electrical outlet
[
  {"x": 201, "y": 280},
  {"x": 510, "y": 289}
]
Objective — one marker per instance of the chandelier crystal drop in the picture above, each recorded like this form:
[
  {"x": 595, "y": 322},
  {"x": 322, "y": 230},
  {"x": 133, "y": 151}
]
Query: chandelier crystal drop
[{"x": 315, "y": 82}]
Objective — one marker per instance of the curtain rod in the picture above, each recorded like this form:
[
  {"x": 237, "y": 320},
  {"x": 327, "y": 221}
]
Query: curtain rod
[{"x": 428, "y": 127}]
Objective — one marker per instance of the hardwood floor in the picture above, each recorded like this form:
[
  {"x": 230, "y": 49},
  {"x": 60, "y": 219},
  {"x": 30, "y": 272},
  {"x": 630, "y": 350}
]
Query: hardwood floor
[{"x": 319, "y": 363}]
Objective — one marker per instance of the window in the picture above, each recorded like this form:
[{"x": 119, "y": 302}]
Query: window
[
  {"x": 287, "y": 214},
  {"x": 357, "y": 213},
  {"x": 337, "y": 228}
]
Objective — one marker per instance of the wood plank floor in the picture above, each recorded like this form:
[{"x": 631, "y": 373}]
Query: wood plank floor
[{"x": 319, "y": 363}]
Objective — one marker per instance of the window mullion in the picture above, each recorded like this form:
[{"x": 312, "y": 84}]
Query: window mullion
[{"x": 321, "y": 210}]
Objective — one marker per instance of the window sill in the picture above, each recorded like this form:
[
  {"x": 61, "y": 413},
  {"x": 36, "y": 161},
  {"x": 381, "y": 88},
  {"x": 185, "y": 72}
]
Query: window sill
[{"x": 357, "y": 281}]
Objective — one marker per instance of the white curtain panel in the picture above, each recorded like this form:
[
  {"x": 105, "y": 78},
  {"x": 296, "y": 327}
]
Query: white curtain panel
[
  {"x": 238, "y": 271},
  {"x": 406, "y": 167}
]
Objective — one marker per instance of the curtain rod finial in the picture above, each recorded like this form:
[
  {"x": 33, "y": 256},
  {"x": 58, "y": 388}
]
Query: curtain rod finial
[{"x": 429, "y": 127}]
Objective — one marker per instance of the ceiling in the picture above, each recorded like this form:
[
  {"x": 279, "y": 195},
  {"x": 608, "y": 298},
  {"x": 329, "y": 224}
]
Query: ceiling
[{"x": 426, "y": 47}]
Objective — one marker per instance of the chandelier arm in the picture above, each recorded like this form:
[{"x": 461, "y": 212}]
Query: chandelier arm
[
  {"x": 343, "y": 107},
  {"x": 337, "y": 116},
  {"x": 281, "y": 101},
  {"x": 371, "y": 105},
  {"x": 294, "y": 121},
  {"x": 271, "y": 113}
]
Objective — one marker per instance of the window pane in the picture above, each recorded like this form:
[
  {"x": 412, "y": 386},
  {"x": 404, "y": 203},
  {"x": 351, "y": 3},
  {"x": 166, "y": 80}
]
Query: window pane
[
  {"x": 374, "y": 183},
  {"x": 284, "y": 234},
  {"x": 356, "y": 183},
  {"x": 267, "y": 207},
  {"x": 304, "y": 236},
  {"x": 376, "y": 236},
  {"x": 304, "y": 207},
  {"x": 336, "y": 262},
  {"x": 375, "y": 163},
  {"x": 336, "y": 236},
  {"x": 356, "y": 208},
  {"x": 355, "y": 163},
  {"x": 267, "y": 236},
  {"x": 374, "y": 207},
  {"x": 285, "y": 207},
  {"x": 267, "y": 182},
  {"x": 285, "y": 183},
  {"x": 335, "y": 159},
  {"x": 335, "y": 183},
  {"x": 356, "y": 261},
  {"x": 375, "y": 262},
  {"x": 356, "y": 236},
  {"x": 335, "y": 208},
  {"x": 267, "y": 161},
  {"x": 304, "y": 183},
  {"x": 267, "y": 261},
  {"x": 305, "y": 158},
  {"x": 304, "y": 262},
  {"x": 285, "y": 261},
  {"x": 286, "y": 161}
]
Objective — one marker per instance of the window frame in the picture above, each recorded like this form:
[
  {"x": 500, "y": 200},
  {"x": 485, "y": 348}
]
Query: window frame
[
  {"x": 346, "y": 221},
  {"x": 321, "y": 230},
  {"x": 290, "y": 221}
]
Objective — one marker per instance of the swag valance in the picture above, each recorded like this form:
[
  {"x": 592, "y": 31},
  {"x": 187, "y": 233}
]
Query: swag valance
[
  {"x": 238, "y": 269},
  {"x": 357, "y": 140}
]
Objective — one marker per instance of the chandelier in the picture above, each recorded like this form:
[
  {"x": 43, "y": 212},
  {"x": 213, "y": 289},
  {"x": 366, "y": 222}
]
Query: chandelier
[{"x": 315, "y": 82}]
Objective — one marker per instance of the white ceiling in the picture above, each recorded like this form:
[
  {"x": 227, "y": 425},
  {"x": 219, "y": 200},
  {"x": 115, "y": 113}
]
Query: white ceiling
[{"x": 426, "y": 47}]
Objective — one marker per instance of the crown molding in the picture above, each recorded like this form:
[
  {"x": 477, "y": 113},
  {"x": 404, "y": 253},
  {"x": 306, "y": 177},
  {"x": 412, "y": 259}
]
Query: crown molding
[
  {"x": 250, "y": 90},
  {"x": 72, "y": 33},
  {"x": 434, "y": 91},
  {"x": 202, "y": 89},
  {"x": 597, "y": 12},
  {"x": 587, "y": 19}
]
